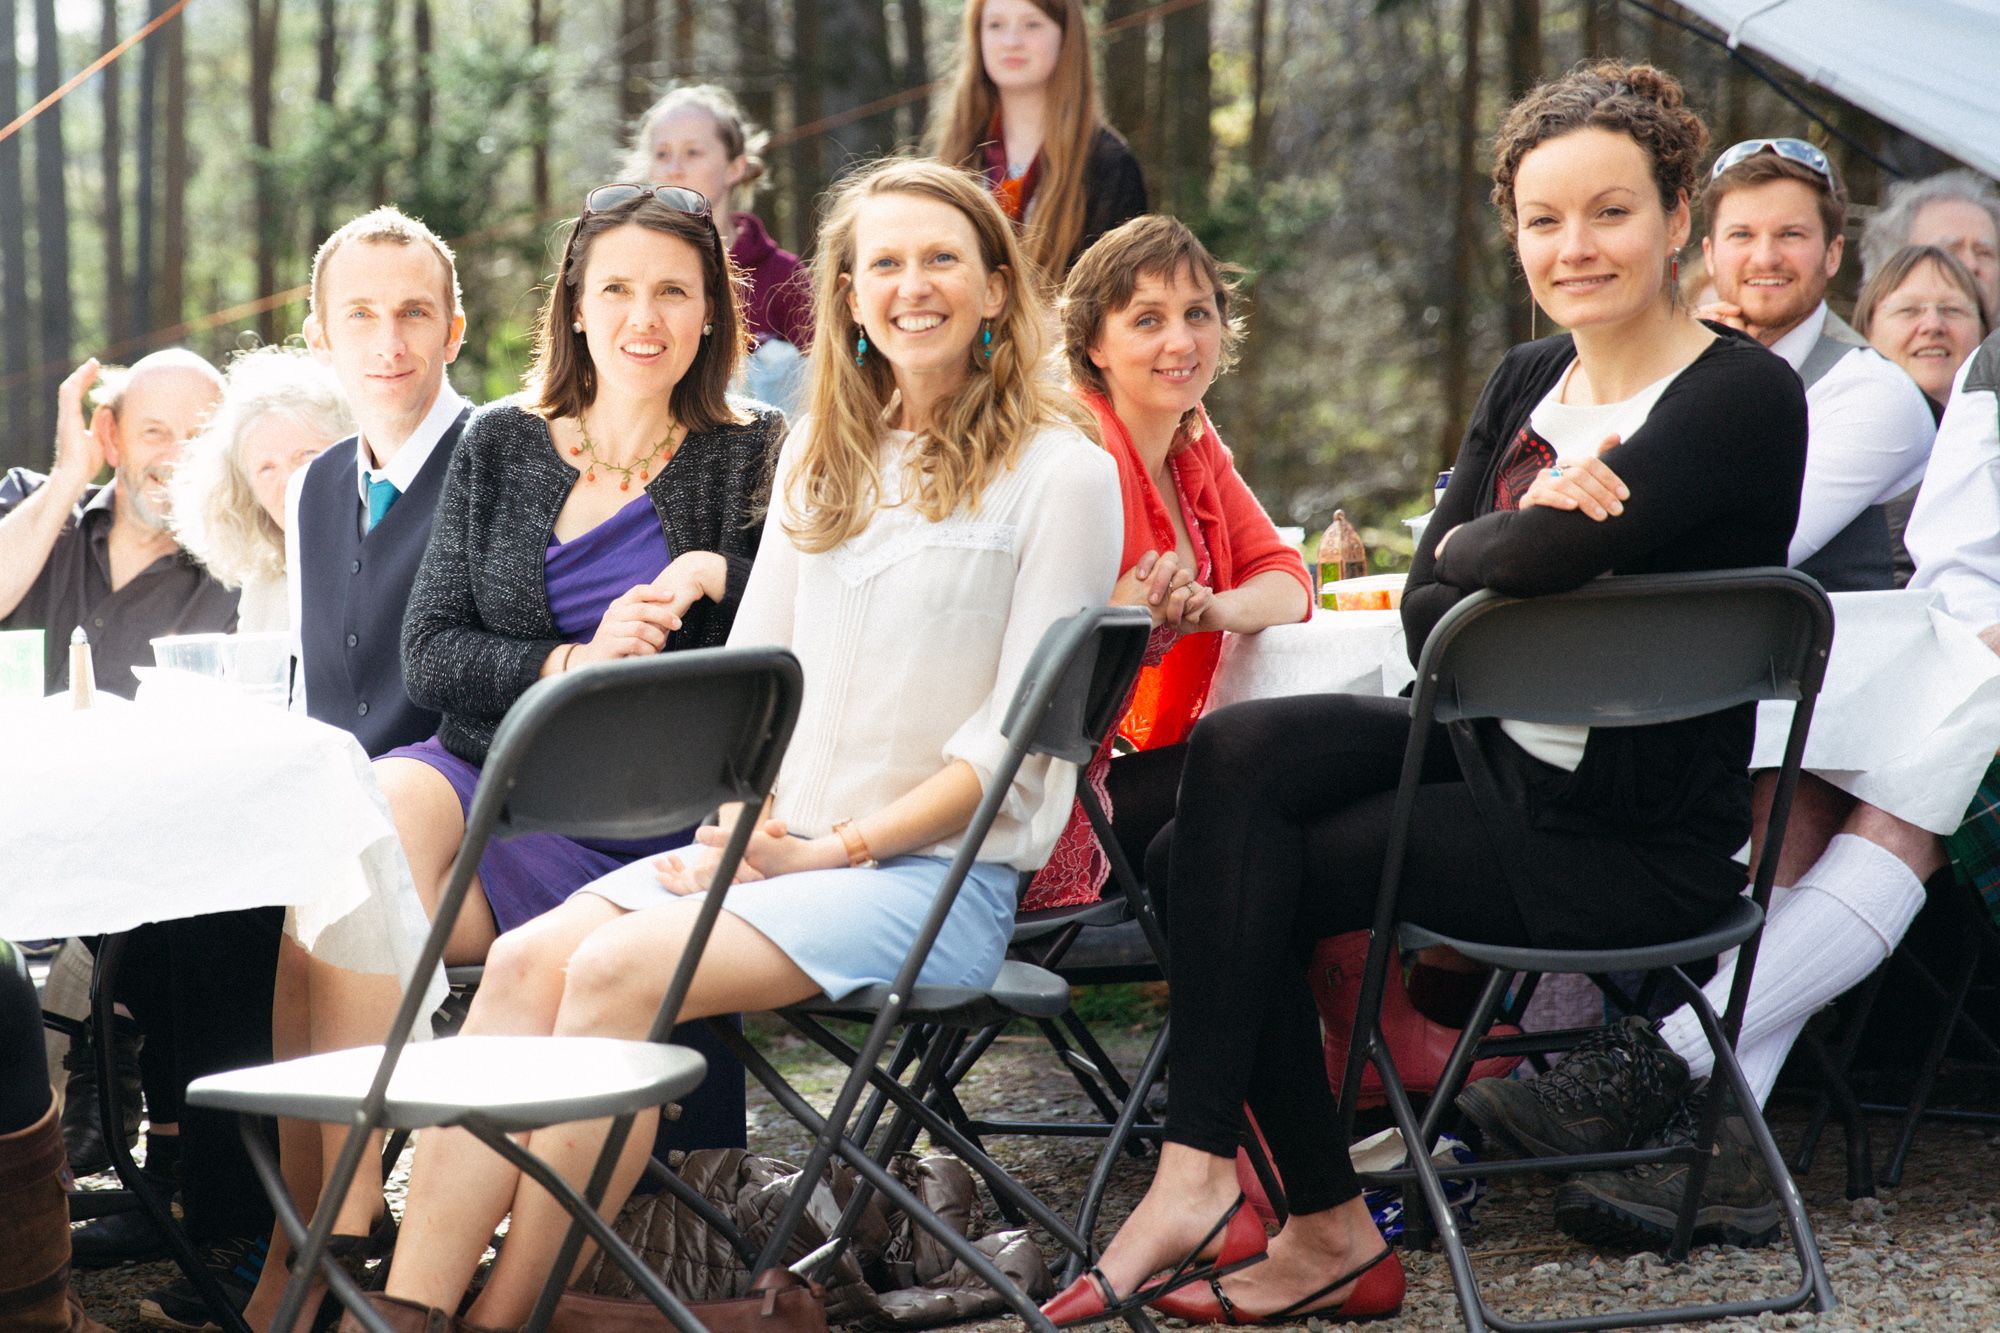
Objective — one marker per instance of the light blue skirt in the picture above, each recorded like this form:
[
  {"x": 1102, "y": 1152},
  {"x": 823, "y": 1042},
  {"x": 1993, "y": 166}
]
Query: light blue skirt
[{"x": 847, "y": 928}]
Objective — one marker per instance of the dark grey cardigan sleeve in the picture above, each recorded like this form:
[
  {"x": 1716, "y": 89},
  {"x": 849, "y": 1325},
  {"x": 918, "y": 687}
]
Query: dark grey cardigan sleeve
[{"x": 451, "y": 661}]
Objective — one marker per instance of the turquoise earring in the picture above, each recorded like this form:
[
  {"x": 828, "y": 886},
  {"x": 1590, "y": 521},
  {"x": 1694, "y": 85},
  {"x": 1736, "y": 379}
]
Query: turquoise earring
[
  {"x": 861, "y": 349},
  {"x": 985, "y": 342}
]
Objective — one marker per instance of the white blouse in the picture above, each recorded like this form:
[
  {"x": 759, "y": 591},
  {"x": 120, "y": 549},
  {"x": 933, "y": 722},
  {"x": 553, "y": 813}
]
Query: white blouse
[{"x": 913, "y": 635}]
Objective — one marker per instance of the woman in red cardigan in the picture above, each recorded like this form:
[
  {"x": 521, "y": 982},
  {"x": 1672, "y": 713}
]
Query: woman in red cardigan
[{"x": 1146, "y": 328}]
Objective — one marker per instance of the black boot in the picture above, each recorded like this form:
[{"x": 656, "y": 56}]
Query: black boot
[
  {"x": 83, "y": 1137},
  {"x": 131, "y": 1237}
]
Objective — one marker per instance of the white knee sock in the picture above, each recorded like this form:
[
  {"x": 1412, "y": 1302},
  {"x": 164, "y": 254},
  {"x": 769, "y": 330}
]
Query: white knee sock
[{"x": 1845, "y": 917}]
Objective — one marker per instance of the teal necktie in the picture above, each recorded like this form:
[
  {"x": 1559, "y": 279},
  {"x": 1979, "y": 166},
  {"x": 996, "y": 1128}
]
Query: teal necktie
[{"x": 381, "y": 494}]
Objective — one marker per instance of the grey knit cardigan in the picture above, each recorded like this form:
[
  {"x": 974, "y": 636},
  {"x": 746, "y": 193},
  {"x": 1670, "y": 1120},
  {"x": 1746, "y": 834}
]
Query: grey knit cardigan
[{"x": 479, "y": 626}]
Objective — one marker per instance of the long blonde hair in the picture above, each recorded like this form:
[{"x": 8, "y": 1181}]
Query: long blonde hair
[
  {"x": 975, "y": 433},
  {"x": 1055, "y": 225}
]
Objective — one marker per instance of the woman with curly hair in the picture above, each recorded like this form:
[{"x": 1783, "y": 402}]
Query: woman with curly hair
[
  {"x": 279, "y": 411},
  {"x": 934, "y": 514},
  {"x": 1642, "y": 441},
  {"x": 1023, "y": 112}
]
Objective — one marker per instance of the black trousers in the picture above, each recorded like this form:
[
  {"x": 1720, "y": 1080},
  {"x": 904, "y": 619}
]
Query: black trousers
[
  {"x": 200, "y": 989},
  {"x": 1279, "y": 842}
]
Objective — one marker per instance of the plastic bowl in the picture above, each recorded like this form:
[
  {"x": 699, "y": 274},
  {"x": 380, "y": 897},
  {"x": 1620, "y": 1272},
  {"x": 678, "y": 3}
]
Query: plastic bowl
[{"x": 257, "y": 664}]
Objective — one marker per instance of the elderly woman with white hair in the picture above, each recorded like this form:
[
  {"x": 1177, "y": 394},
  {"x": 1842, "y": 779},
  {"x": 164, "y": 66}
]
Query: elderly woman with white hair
[{"x": 279, "y": 409}]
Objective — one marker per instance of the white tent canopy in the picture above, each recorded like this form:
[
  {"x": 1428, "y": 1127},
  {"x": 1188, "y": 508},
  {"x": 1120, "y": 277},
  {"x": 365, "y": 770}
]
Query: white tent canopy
[{"x": 1928, "y": 67}]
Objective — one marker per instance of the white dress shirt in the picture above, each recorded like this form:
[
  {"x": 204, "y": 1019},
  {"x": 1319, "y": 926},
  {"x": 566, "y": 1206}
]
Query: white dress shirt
[
  {"x": 914, "y": 635},
  {"x": 1869, "y": 435},
  {"x": 402, "y": 470},
  {"x": 1954, "y": 530}
]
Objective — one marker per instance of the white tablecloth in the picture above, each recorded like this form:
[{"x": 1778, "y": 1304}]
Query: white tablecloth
[
  {"x": 193, "y": 801},
  {"x": 1336, "y": 652},
  {"x": 1908, "y": 719}
]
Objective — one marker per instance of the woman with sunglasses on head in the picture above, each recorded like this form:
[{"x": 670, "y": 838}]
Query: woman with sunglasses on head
[
  {"x": 935, "y": 513},
  {"x": 1619, "y": 836},
  {"x": 699, "y": 137},
  {"x": 609, "y": 511},
  {"x": 1023, "y": 112}
]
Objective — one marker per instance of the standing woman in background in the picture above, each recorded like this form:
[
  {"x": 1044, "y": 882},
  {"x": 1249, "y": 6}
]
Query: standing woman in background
[
  {"x": 698, "y": 137},
  {"x": 1024, "y": 112}
]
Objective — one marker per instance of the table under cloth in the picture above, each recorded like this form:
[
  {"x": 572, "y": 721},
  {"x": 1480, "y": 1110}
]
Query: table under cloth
[
  {"x": 192, "y": 801},
  {"x": 1908, "y": 719}
]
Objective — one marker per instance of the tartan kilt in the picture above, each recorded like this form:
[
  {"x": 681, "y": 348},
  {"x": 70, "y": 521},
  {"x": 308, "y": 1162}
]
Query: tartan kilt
[{"x": 1975, "y": 849}]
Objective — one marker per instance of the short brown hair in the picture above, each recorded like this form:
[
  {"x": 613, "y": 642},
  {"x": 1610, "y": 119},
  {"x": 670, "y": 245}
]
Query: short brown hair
[
  {"x": 385, "y": 226},
  {"x": 1102, "y": 283},
  {"x": 1763, "y": 168},
  {"x": 1642, "y": 103},
  {"x": 562, "y": 382},
  {"x": 1896, "y": 270}
]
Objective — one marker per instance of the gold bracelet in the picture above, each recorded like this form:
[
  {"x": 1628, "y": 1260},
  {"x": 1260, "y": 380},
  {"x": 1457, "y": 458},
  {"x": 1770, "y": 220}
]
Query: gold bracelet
[{"x": 858, "y": 855}]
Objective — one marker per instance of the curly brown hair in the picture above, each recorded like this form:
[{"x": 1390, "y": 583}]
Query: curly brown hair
[{"x": 1640, "y": 101}]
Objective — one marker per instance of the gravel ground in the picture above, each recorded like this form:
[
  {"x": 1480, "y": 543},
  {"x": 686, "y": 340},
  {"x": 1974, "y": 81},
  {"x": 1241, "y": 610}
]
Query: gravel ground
[{"x": 1920, "y": 1257}]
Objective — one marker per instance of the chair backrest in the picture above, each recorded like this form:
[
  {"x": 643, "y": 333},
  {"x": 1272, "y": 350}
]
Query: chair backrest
[
  {"x": 1627, "y": 651},
  {"x": 690, "y": 730},
  {"x": 1076, "y": 684}
]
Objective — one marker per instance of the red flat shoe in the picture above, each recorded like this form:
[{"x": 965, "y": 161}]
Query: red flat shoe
[
  {"x": 1090, "y": 1298},
  {"x": 1377, "y": 1295}
]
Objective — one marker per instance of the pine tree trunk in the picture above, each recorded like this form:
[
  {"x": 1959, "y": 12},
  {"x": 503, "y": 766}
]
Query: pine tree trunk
[
  {"x": 170, "y": 288},
  {"x": 264, "y": 16},
  {"x": 1457, "y": 331},
  {"x": 323, "y": 94},
  {"x": 1524, "y": 71},
  {"x": 145, "y": 248},
  {"x": 51, "y": 210},
  {"x": 117, "y": 308},
  {"x": 858, "y": 73},
  {"x": 1185, "y": 108},
  {"x": 25, "y": 439},
  {"x": 1126, "y": 66},
  {"x": 541, "y": 33},
  {"x": 684, "y": 63},
  {"x": 807, "y": 152},
  {"x": 422, "y": 95},
  {"x": 638, "y": 47},
  {"x": 382, "y": 111},
  {"x": 916, "y": 69},
  {"x": 1260, "y": 108}
]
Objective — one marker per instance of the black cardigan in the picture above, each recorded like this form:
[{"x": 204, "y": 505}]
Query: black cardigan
[
  {"x": 1714, "y": 473},
  {"x": 479, "y": 626}
]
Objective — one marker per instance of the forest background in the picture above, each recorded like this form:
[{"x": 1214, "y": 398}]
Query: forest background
[{"x": 1336, "y": 149}]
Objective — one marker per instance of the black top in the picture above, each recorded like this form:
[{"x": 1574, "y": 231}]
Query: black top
[
  {"x": 173, "y": 595},
  {"x": 479, "y": 625},
  {"x": 1114, "y": 190},
  {"x": 353, "y": 590},
  {"x": 1715, "y": 473}
]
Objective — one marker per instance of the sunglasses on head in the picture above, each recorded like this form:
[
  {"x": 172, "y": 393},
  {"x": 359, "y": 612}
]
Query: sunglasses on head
[
  {"x": 607, "y": 198},
  {"x": 1805, "y": 154}
]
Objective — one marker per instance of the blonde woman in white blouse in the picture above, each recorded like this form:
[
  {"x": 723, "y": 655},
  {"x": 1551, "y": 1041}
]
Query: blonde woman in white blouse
[{"x": 930, "y": 518}]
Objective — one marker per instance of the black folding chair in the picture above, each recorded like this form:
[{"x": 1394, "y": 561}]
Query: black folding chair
[
  {"x": 627, "y": 750},
  {"x": 1617, "y": 652},
  {"x": 1069, "y": 696}
]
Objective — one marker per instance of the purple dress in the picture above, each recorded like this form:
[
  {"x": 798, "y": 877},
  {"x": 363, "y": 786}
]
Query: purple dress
[{"x": 526, "y": 876}]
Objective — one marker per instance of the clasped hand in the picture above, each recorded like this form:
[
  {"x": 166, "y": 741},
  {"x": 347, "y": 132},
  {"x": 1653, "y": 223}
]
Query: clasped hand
[
  {"x": 639, "y": 620},
  {"x": 1167, "y": 589},
  {"x": 1585, "y": 483},
  {"x": 771, "y": 851}
]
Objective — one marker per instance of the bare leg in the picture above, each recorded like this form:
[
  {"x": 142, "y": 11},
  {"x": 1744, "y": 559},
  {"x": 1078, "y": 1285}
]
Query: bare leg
[
  {"x": 1819, "y": 809},
  {"x": 459, "y": 1190},
  {"x": 298, "y": 1140},
  {"x": 615, "y": 983}
]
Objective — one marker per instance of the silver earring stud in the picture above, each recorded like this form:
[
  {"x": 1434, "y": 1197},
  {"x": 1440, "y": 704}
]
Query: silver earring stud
[{"x": 707, "y": 329}]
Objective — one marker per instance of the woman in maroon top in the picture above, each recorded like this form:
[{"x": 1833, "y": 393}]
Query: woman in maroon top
[{"x": 699, "y": 137}]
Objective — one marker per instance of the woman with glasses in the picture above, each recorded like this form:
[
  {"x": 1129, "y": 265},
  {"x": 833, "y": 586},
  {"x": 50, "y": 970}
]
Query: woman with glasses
[
  {"x": 1922, "y": 309},
  {"x": 1023, "y": 113},
  {"x": 1592, "y": 452},
  {"x": 932, "y": 516},
  {"x": 608, "y": 511}
]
